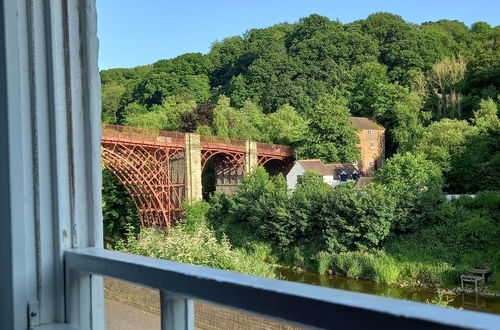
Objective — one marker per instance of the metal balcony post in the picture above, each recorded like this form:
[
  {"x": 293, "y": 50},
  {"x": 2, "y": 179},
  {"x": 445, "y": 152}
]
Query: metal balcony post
[{"x": 177, "y": 312}]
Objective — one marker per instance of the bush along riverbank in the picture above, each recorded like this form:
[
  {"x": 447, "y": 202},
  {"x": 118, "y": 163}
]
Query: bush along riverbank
[
  {"x": 398, "y": 230},
  {"x": 193, "y": 242}
]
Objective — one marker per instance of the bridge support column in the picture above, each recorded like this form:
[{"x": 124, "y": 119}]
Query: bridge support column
[
  {"x": 251, "y": 159},
  {"x": 193, "y": 167}
]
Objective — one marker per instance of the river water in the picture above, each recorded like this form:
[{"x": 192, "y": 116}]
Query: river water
[{"x": 465, "y": 301}]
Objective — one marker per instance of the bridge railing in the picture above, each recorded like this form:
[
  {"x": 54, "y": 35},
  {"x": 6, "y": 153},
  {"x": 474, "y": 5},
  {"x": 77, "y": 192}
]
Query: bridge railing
[
  {"x": 222, "y": 142},
  {"x": 268, "y": 148},
  {"x": 159, "y": 137},
  {"x": 144, "y": 135}
]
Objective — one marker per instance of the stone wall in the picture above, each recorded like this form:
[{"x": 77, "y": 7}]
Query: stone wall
[{"x": 207, "y": 316}]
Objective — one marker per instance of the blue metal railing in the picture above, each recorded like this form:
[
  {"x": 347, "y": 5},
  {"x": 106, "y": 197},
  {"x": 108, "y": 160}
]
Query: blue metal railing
[{"x": 294, "y": 303}]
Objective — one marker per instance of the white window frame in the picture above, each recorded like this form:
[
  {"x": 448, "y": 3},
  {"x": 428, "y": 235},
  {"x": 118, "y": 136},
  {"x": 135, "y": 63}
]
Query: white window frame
[
  {"x": 372, "y": 145},
  {"x": 50, "y": 143}
]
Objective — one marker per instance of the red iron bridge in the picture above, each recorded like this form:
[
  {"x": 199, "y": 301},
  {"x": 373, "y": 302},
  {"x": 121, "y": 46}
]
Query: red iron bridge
[{"x": 161, "y": 169}]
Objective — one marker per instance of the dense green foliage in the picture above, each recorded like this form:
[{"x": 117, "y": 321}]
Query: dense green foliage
[
  {"x": 118, "y": 210},
  {"x": 193, "y": 242},
  {"x": 434, "y": 87},
  {"x": 397, "y": 230}
]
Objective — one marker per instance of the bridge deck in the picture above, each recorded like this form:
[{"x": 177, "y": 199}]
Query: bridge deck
[{"x": 156, "y": 138}]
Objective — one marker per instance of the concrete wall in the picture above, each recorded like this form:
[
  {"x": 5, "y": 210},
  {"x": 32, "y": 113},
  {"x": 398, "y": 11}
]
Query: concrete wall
[{"x": 207, "y": 316}]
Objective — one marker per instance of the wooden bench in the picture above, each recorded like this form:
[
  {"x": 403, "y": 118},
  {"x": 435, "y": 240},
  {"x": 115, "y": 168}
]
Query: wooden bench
[
  {"x": 482, "y": 272},
  {"x": 470, "y": 278}
]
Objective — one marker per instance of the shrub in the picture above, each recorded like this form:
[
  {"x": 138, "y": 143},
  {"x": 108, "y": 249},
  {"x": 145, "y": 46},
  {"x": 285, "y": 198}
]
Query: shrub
[
  {"x": 194, "y": 243},
  {"x": 356, "y": 220},
  {"x": 323, "y": 262},
  {"x": 416, "y": 184}
]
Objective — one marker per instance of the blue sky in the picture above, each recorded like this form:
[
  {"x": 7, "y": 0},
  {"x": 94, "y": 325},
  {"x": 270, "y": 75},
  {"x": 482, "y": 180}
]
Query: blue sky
[{"x": 138, "y": 32}]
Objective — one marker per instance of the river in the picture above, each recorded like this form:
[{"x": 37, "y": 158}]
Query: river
[{"x": 466, "y": 301}]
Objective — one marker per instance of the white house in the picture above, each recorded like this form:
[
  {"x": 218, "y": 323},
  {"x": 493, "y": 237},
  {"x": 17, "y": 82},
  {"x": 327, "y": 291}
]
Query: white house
[
  {"x": 313, "y": 165},
  {"x": 333, "y": 174}
]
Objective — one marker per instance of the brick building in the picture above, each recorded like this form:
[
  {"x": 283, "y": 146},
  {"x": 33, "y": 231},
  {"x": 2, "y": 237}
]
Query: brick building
[{"x": 371, "y": 143}]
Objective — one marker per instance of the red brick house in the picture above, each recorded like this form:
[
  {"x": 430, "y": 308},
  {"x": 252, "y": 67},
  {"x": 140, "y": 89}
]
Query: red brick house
[{"x": 371, "y": 143}]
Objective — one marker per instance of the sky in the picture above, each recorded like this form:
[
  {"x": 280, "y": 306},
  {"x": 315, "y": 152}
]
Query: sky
[{"x": 139, "y": 32}]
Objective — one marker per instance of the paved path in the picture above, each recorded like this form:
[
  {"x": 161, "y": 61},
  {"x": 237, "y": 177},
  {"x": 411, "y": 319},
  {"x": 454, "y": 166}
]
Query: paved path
[{"x": 120, "y": 316}]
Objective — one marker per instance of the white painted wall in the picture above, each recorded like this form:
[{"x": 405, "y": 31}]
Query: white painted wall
[
  {"x": 291, "y": 177},
  {"x": 328, "y": 179}
]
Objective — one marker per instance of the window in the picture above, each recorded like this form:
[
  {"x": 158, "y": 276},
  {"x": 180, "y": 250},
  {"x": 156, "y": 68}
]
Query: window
[
  {"x": 370, "y": 132},
  {"x": 372, "y": 144},
  {"x": 382, "y": 143},
  {"x": 370, "y": 164}
]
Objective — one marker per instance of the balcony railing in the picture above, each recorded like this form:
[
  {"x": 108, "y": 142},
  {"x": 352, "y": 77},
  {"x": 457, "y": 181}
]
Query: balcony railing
[{"x": 294, "y": 303}]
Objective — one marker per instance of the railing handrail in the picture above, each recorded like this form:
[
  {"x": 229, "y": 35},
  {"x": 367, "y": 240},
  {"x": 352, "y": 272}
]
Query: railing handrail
[
  {"x": 295, "y": 303},
  {"x": 154, "y": 136}
]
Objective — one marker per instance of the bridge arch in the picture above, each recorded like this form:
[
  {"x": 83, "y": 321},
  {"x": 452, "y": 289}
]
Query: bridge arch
[
  {"x": 222, "y": 170},
  {"x": 275, "y": 164},
  {"x": 147, "y": 176}
]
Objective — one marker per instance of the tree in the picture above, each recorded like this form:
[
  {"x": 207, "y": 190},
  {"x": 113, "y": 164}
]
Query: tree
[
  {"x": 407, "y": 121},
  {"x": 446, "y": 78},
  {"x": 331, "y": 137},
  {"x": 401, "y": 46},
  {"x": 412, "y": 171},
  {"x": 111, "y": 101},
  {"x": 442, "y": 139},
  {"x": 202, "y": 115},
  {"x": 487, "y": 115},
  {"x": 233, "y": 123},
  {"x": 158, "y": 85},
  {"x": 263, "y": 203},
  {"x": 118, "y": 210},
  {"x": 226, "y": 57},
  {"x": 357, "y": 221},
  {"x": 309, "y": 204},
  {"x": 285, "y": 126},
  {"x": 416, "y": 184},
  {"x": 476, "y": 166},
  {"x": 155, "y": 119}
]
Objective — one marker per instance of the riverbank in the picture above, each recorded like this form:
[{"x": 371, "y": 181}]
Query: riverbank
[
  {"x": 448, "y": 298},
  {"x": 262, "y": 225},
  {"x": 394, "y": 266}
]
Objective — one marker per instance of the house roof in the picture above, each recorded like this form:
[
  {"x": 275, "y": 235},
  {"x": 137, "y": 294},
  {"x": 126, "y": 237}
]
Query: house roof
[
  {"x": 336, "y": 169},
  {"x": 315, "y": 165},
  {"x": 366, "y": 123}
]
